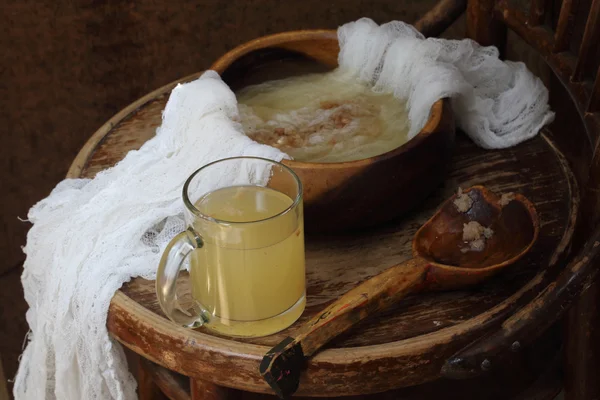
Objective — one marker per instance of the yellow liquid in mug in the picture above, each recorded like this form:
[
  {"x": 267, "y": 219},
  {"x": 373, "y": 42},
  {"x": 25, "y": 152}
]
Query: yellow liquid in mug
[{"x": 249, "y": 277}]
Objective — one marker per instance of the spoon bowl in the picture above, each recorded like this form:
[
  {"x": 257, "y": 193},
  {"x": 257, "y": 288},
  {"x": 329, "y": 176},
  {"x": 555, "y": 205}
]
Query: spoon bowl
[{"x": 514, "y": 225}]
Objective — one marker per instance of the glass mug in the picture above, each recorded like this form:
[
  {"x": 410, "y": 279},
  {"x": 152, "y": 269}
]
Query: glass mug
[{"x": 245, "y": 247}]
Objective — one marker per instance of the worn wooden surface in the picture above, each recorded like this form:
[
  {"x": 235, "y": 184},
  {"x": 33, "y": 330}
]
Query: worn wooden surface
[
  {"x": 519, "y": 380},
  {"x": 411, "y": 340}
]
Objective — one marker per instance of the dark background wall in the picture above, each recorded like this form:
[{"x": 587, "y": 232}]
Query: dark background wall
[{"x": 66, "y": 66}]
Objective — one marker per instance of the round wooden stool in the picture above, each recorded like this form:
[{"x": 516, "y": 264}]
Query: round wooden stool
[{"x": 494, "y": 335}]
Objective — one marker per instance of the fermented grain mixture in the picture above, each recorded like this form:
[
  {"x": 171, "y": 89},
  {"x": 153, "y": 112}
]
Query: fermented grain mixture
[
  {"x": 463, "y": 201},
  {"x": 475, "y": 235},
  {"x": 326, "y": 117}
]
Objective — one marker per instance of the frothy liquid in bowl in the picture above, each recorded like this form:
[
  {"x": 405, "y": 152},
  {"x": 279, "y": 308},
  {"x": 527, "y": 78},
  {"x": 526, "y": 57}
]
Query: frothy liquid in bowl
[{"x": 324, "y": 117}]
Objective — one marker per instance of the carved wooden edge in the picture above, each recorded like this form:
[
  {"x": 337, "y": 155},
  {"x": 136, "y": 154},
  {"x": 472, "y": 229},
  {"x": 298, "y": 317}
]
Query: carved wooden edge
[
  {"x": 546, "y": 387},
  {"x": 329, "y": 373}
]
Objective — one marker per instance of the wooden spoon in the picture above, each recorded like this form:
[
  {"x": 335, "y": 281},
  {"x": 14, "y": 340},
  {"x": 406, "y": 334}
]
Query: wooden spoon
[{"x": 441, "y": 261}]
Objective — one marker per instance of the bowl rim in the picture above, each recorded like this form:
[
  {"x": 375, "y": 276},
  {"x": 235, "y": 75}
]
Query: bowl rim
[{"x": 272, "y": 40}]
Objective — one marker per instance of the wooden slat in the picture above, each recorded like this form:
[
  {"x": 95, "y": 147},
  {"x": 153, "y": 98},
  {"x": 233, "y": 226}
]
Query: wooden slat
[
  {"x": 582, "y": 346},
  {"x": 440, "y": 17},
  {"x": 147, "y": 389},
  {"x": 162, "y": 378},
  {"x": 589, "y": 42},
  {"x": 204, "y": 390},
  {"x": 542, "y": 40},
  {"x": 564, "y": 27},
  {"x": 483, "y": 27},
  {"x": 537, "y": 12},
  {"x": 594, "y": 105}
]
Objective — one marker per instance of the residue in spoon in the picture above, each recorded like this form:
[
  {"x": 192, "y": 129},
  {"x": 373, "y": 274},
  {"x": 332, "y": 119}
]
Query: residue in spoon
[{"x": 475, "y": 236}]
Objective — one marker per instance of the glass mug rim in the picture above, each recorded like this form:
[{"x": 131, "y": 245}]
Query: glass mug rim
[{"x": 190, "y": 205}]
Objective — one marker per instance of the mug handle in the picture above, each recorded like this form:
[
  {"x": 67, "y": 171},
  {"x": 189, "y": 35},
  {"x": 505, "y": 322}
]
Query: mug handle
[{"x": 171, "y": 262}]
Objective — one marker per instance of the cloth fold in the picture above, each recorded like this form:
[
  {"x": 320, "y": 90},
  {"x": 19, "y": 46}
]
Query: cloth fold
[
  {"x": 497, "y": 103},
  {"x": 89, "y": 236}
]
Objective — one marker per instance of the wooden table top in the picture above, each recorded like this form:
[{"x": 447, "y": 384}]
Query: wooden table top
[{"x": 403, "y": 346}]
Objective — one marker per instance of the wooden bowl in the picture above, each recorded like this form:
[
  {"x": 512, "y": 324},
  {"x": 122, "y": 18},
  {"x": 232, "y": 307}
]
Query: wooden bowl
[{"x": 346, "y": 195}]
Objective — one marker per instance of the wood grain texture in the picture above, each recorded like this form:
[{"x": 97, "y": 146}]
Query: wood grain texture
[{"x": 336, "y": 263}]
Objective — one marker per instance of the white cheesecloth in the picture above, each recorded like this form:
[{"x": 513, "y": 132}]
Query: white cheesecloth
[
  {"x": 497, "y": 103},
  {"x": 91, "y": 236}
]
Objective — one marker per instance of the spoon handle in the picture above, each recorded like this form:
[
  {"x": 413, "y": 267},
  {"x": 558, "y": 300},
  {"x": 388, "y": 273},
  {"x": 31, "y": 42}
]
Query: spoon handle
[
  {"x": 281, "y": 365},
  {"x": 368, "y": 298}
]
